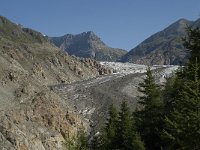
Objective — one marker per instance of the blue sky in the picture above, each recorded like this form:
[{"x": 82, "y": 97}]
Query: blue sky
[{"x": 119, "y": 23}]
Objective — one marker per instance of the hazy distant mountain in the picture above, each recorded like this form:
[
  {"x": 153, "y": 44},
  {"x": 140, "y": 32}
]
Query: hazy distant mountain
[
  {"x": 87, "y": 45},
  {"x": 164, "y": 47}
]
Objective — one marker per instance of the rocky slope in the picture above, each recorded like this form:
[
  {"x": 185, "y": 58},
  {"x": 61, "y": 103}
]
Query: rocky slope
[
  {"x": 87, "y": 45},
  {"x": 164, "y": 47},
  {"x": 31, "y": 115},
  {"x": 91, "y": 98}
]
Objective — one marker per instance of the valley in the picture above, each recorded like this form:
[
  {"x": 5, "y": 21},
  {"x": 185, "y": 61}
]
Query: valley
[
  {"x": 91, "y": 98},
  {"x": 51, "y": 88}
]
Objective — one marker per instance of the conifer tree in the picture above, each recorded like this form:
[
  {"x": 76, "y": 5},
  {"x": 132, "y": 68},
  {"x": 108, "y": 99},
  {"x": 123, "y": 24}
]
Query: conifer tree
[
  {"x": 128, "y": 139},
  {"x": 120, "y": 131},
  {"x": 169, "y": 94},
  {"x": 192, "y": 43},
  {"x": 150, "y": 117},
  {"x": 125, "y": 130},
  {"x": 97, "y": 143},
  {"x": 110, "y": 130},
  {"x": 137, "y": 142},
  {"x": 183, "y": 123}
]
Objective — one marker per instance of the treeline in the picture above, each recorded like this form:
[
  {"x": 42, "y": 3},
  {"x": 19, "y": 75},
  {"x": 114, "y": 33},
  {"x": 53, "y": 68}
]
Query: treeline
[{"x": 168, "y": 117}]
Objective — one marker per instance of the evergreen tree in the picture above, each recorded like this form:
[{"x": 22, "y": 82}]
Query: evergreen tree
[
  {"x": 125, "y": 130},
  {"x": 169, "y": 94},
  {"x": 192, "y": 43},
  {"x": 97, "y": 143},
  {"x": 137, "y": 143},
  {"x": 120, "y": 132},
  {"x": 150, "y": 117},
  {"x": 128, "y": 139},
  {"x": 110, "y": 130},
  {"x": 183, "y": 123}
]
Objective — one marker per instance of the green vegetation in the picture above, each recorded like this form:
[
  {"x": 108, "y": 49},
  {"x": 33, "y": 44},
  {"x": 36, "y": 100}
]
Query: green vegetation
[
  {"x": 120, "y": 130},
  {"x": 183, "y": 121},
  {"x": 150, "y": 117},
  {"x": 79, "y": 142},
  {"x": 168, "y": 118}
]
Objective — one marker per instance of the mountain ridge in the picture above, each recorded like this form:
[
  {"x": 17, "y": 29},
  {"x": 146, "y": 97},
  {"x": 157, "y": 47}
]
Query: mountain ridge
[
  {"x": 162, "y": 48},
  {"x": 87, "y": 45}
]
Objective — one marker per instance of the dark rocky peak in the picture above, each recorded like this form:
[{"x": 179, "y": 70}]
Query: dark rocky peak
[
  {"x": 92, "y": 35},
  {"x": 183, "y": 21},
  {"x": 164, "y": 47},
  {"x": 178, "y": 27},
  {"x": 89, "y": 36},
  {"x": 87, "y": 45},
  {"x": 68, "y": 36}
]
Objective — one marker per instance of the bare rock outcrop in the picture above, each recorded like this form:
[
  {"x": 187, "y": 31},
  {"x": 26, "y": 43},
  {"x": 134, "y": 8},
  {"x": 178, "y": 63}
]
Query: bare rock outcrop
[{"x": 32, "y": 116}]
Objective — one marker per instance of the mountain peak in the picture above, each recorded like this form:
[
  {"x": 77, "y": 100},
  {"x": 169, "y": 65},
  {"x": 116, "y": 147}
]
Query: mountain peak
[
  {"x": 90, "y": 33},
  {"x": 183, "y": 22},
  {"x": 87, "y": 45},
  {"x": 91, "y": 36},
  {"x": 83, "y": 34},
  {"x": 164, "y": 47}
]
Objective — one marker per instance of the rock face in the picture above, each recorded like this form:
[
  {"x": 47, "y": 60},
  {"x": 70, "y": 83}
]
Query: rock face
[
  {"x": 43, "y": 122},
  {"x": 87, "y": 45},
  {"x": 164, "y": 47},
  {"x": 32, "y": 116}
]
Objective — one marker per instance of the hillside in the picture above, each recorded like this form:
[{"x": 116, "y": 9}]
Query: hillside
[
  {"x": 87, "y": 45},
  {"x": 164, "y": 47},
  {"x": 32, "y": 116},
  {"x": 91, "y": 98}
]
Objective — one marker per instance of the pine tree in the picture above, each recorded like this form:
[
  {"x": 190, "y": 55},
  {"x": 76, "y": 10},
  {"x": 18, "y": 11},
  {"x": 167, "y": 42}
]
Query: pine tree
[
  {"x": 137, "y": 142},
  {"x": 110, "y": 130},
  {"x": 125, "y": 130},
  {"x": 150, "y": 117},
  {"x": 120, "y": 131},
  {"x": 183, "y": 123},
  {"x": 169, "y": 94},
  {"x": 97, "y": 143},
  {"x": 128, "y": 138},
  {"x": 192, "y": 43}
]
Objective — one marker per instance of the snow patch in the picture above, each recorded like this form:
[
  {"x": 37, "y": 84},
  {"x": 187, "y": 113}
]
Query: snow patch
[{"x": 130, "y": 68}]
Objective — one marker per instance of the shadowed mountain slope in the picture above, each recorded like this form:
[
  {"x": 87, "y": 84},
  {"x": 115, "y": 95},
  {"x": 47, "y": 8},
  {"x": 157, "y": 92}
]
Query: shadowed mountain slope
[
  {"x": 87, "y": 45},
  {"x": 164, "y": 47}
]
